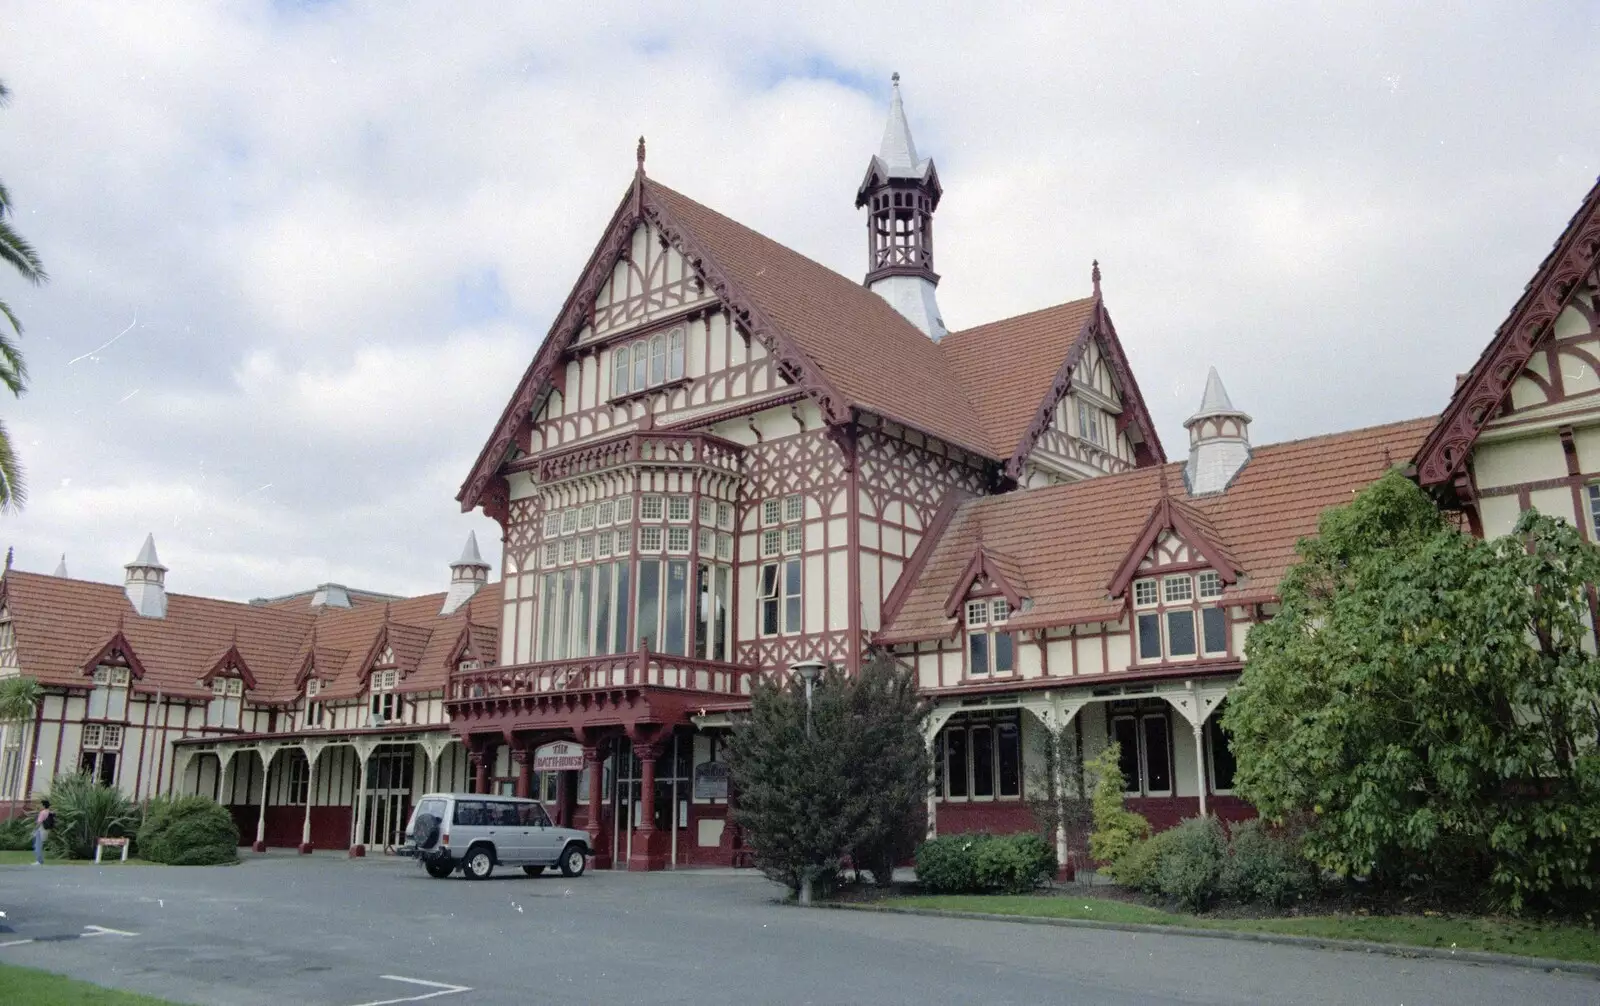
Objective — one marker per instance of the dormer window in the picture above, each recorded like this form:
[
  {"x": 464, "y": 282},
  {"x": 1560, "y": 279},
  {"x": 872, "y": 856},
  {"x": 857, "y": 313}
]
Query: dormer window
[
  {"x": 1089, "y": 423},
  {"x": 8, "y": 640},
  {"x": 385, "y": 704},
  {"x": 1178, "y": 617},
  {"x": 313, "y": 707},
  {"x": 647, "y": 363},
  {"x": 227, "y": 702},
  {"x": 991, "y": 648}
]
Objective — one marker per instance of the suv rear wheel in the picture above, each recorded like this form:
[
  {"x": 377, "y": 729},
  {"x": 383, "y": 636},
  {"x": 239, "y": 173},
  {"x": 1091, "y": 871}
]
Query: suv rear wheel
[
  {"x": 478, "y": 864},
  {"x": 573, "y": 861}
]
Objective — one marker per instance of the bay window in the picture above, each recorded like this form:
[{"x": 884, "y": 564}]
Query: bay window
[
  {"x": 979, "y": 758},
  {"x": 227, "y": 702},
  {"x": 990, "y": 648},
  {"x": 1179, "y": 617},
  {"x": 384, "y": 703}
]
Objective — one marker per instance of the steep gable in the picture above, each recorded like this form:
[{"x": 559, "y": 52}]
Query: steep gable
[{"x": 1560, "y": 292}]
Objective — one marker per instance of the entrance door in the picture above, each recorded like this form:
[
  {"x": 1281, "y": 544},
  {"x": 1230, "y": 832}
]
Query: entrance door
[
  {"x": 388, "y": 795},
  {"x": 626, "y": 802}
]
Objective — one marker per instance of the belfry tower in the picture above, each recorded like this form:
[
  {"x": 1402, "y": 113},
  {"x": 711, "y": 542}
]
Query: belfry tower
[{"x": 901, "y": 193}]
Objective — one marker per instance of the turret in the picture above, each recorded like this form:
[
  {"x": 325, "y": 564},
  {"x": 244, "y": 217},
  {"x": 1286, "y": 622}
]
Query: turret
[
  {"x": 145, "y": 582},
  {"x": 468, "y": 574},
  {"x": 901, "y": 193},
  {"x": 1219, "y": 441}
]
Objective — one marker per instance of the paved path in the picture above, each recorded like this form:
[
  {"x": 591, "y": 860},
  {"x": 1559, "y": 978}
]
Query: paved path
[{"x": 325, "y": 931}]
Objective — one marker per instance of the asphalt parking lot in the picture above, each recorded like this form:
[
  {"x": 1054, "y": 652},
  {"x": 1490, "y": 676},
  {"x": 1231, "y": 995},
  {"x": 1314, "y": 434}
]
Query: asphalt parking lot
[{"x": 329, "y": 931}]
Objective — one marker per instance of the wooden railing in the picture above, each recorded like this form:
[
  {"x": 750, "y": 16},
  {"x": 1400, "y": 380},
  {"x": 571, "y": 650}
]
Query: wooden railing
[{"x": 641, "y": 667}]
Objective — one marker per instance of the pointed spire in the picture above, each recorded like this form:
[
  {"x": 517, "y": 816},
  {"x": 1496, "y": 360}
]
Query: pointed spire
[
  {"x": 147, "y": 554},
  {"x": 61, "y": 567},
  {"x": 639, "y": 156},
  {"x": 1219, "y": 441},
  {"x": 638, "y": 179},
  {"x": 1215, "y": 401},
  {"x": 469, "y": 553},
  {"x": 898, "y": 151},
  {"x": 1094, "y": 276},
  {"x": 11, "y": 553}
]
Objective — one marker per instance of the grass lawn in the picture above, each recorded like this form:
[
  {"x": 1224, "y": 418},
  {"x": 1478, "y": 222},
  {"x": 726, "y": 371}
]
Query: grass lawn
[
  {"x": 1505, "y": 936},
  {"x": 111, "y": 857},
  {"x": 41, "y": 988}
]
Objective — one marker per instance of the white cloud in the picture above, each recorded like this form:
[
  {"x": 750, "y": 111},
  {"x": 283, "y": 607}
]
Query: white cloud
[{"x": 1333, "y": 203}]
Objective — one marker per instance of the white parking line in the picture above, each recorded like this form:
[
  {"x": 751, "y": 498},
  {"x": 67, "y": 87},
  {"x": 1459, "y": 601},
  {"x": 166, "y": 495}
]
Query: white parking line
[
  {"x": 103, "y": 931},
  {"x": 441, "y": 989}
]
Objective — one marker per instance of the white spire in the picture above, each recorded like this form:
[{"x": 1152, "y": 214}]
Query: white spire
[
  {"x": 1219, "y": 441},
  {"x": 898, "y": 151},
  {"x": 61, "y": 567},
  {"x": 146, "y": 582},
  {"x": 468, "y": 574}
]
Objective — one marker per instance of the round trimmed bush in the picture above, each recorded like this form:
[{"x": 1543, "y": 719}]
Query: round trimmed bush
[{"x": 188, "y": 831}]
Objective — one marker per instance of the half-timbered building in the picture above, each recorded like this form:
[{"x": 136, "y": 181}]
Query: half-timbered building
[{"x": 315, "y": 717}]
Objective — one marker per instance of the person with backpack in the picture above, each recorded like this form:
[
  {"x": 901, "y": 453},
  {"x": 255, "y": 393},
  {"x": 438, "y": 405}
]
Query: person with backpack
[{"x": 43, "y": 822}]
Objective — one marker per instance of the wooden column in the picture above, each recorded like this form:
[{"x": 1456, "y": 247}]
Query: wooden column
[
  {"x": 311, "y": 794},
  {"x": 261, "y": 818},
  {"x": 1200, "y": 762},
  {"x": 357, "y": 846},
  {"x": 644, "y": 834}
]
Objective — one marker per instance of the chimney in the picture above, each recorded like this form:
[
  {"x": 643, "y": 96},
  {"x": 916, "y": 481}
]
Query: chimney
[
  {"x": 146, "y": 582},
  {"x": 468, "y": 574},
  {"x": 1219, "y": 441}
]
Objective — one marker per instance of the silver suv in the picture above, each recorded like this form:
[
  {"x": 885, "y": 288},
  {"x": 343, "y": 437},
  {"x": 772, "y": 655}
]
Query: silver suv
[{"x": 475, "y": 832}]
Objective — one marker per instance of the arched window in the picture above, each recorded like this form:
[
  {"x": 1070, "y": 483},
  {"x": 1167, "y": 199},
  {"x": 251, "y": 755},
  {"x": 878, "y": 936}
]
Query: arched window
[
  {"x": 675, "y": 349},
  {"x": 641, "y": 374},
  {"x": 619, "y": 371}
]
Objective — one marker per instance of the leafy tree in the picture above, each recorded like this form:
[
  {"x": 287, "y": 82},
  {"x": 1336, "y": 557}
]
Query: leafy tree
[
  {"x": 13, "y": 372},
  {"x": 889, "y": 763},
  {"x": 87, "y": 812},
  {"x": 1425, "y": 702},
  {"x": 1116, "y": 828},
  {"x": 855, "y": 787}
]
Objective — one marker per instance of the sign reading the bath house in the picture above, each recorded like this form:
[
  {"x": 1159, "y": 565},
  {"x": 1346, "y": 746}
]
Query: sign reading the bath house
[{"x": 559, "y": 756}]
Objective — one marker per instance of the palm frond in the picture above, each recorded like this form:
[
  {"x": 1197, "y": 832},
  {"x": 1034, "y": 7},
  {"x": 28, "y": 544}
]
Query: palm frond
[
  {"x": 5, "y": 94},
  {"x": 19, "y": 697},
  {"x": 13, "y": 484},
  {"x": 17, "y": 251},
  {"x": 5, "y": 199},
  {"x": 5, "y": 312},
  {"x": 13, "y": 369}
]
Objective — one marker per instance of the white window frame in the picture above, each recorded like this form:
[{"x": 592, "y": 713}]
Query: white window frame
[
  {"x": 967, "y": 726},
  {"x": 1165, "y": 595},
  {"x": 679, "y": 509},
  {"x": 778, "y": 593},
  {"x": 1141, "y": 787},
  {"x": 652, "y": 508}
]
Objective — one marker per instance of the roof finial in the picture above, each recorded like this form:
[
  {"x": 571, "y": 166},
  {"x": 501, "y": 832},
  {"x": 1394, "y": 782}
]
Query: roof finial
[
  {"x": 10, "y": 554},
  {"x": 640, "y": 155},
  {"x": 1094, "y": 276},
  {"x": 894, "y": 78}
]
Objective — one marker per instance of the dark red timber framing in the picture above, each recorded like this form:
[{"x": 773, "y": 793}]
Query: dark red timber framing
[{"x": 1479, "y": 397}]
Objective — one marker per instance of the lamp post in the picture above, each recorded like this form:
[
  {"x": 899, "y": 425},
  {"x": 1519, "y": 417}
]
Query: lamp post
[{"x": 808, "y": 671}]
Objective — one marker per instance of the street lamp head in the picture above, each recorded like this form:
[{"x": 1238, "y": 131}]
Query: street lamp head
[{"x": 809, "y": 670}]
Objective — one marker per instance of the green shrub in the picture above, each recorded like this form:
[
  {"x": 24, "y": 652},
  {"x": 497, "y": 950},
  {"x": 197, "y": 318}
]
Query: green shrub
[
  {"x": 1267, "y": 867},
  {"x": 1139, "y": 866},
  {"x": 970, "y": 864},
  {"x": 1190, "y": 871},
  {"x": 188, "y": 831},
  {"x": 1116, "y": 828},
  {"x": 85, "y": 813},
  {"x": 16, "y": 833}
]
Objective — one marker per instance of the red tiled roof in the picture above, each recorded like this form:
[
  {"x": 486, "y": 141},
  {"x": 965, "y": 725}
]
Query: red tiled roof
[
  {"x": 1007, "y": 367},
  {"x": 1069, "y": 540},
  {"x": 62, "y": 623},
  {"x": 867, "y": 350}
]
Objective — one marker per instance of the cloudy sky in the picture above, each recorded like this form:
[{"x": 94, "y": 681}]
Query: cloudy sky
[{"x": 300, "y": 252}]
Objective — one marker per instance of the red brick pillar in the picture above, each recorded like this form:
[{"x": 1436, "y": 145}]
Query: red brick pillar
[
  {"x": 524, "y": 763},
  {"x": 644, "y": 834}
]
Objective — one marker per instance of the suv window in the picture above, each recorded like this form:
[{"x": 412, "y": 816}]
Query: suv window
[
  {"x": 503, "y": 814},
  {"x": 434, "y": 807},
  {"x": 471, "y": 812},
  {"x": 533, "y": 815}
]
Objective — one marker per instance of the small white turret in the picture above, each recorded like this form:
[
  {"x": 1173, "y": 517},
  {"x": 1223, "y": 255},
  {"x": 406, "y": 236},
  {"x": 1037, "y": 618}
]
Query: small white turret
[
  {"x": 146, "y": 582},
  {"x": 1219, "y": 441},
  {"x": 468, "y": 574},
  {"x": 61, "y": 567}
]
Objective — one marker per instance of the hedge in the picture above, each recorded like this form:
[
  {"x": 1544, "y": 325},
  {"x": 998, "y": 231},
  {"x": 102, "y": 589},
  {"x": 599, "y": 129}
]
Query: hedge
[
  {"x": 188, "y": 831},
  {"x": 976, "y": 863}
]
